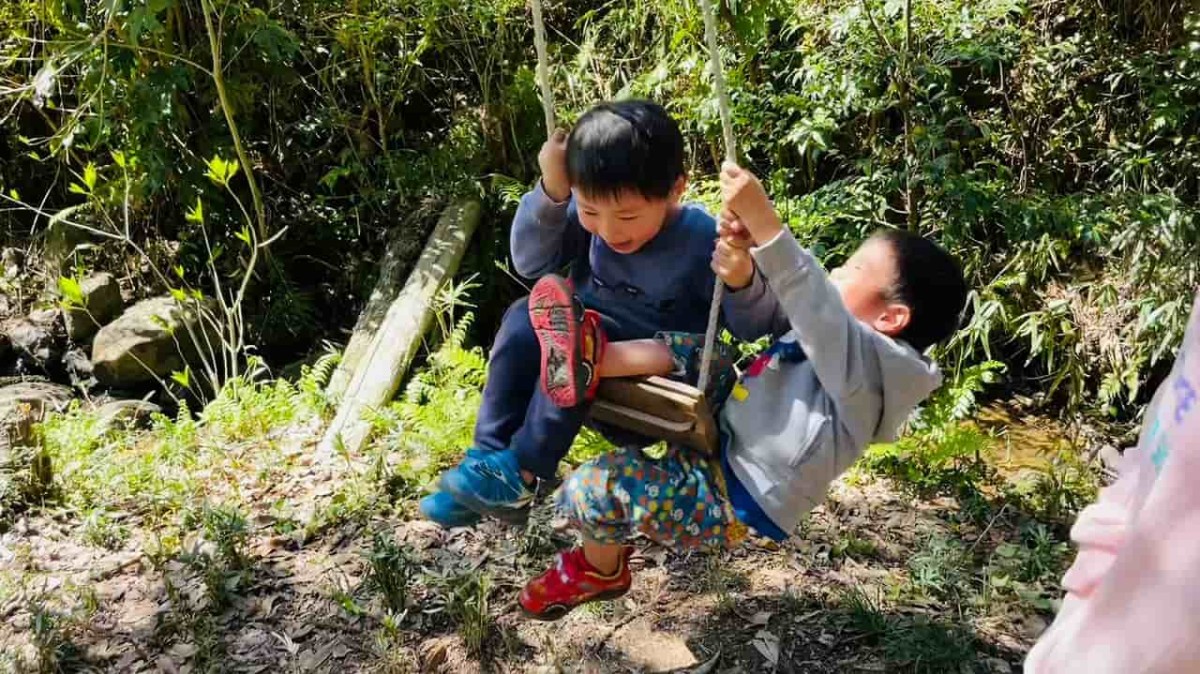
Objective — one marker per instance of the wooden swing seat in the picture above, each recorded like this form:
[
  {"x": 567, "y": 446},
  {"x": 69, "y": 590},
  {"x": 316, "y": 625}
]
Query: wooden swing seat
[
  {"x": 659, "y": 408},
  {"x": 655, "y": 406}
]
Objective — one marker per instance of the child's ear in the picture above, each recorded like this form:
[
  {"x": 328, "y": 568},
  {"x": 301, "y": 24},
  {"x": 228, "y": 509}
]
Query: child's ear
[
  {"x": 679, "y": 188},
  {"x": 894, "y": 318}
]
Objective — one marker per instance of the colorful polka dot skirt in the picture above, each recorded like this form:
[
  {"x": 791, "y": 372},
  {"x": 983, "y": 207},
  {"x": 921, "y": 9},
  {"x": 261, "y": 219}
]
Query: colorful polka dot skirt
[{"x": 677, "y": 500}]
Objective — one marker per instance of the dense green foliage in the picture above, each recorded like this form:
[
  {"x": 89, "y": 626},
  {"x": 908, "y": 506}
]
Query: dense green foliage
[
  {"x": 350, "y": 116},
  {"x": 1050, "y": 145}
]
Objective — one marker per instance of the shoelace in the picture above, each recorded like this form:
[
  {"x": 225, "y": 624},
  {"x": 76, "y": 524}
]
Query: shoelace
[{"x": 487, "y": 470}]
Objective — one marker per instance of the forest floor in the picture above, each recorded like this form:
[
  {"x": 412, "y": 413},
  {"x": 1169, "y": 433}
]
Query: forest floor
[{"x": 949, "y": 577}]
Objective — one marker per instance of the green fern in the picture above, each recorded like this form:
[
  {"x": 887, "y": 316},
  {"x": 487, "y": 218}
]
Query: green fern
[
  {"x": 510, "y": 190},
  {"x": 314, "y": 379},
  {"x": 955, "y": 401},
  {"x": 940, "y": 452},
  {"x": 321, "y": 371},
  {"x": 432, "y": 422}
]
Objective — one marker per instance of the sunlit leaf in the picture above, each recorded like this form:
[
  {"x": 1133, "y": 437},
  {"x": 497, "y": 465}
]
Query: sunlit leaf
[
  {"x": 71, "y": 291},
  {"x": 183, "y": 378},
  {"x": 195, "y": 213},
  {"x": 90, "y": 175}
]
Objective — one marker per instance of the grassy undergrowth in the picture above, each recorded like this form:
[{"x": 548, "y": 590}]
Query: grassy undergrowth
[
  {"x": 195, "y": 492},
  {"x": 236, "y": 442},
  {"x": 1001, "y": 546}
]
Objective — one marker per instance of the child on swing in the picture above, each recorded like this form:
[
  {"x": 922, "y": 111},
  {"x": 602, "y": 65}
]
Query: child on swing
[
  {"x": 609, "y": 205},
  {"x": 848, "y": 372}
]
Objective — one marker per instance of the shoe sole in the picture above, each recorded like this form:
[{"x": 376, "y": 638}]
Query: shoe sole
[
  {"x": 557, "y": 321},
  {"x": 514, "y": 516},
  {"x": 559, "y": 611}
]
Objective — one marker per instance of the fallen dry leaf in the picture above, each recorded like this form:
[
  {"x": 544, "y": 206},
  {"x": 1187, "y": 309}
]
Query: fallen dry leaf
[
  {"x": 104, "y": 650},
  {"x": 266, "y": 606},
  {"x": 183, "y": 651},
  {"x": 800, "y": 619},
  {"x": 300, "y": 632},
  {"x": 759, "y": 619},
  {"x": 767, "y": 645},
  {"x": 138, "y": 612},
  {"x": 166, "y": 664}
]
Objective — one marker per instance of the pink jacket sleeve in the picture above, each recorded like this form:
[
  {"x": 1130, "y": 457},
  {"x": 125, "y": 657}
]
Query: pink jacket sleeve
[{"x": 1133, "y": 593}]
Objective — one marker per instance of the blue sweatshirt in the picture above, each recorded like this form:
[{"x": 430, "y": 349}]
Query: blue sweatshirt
[{"x": 666, "y": 285}]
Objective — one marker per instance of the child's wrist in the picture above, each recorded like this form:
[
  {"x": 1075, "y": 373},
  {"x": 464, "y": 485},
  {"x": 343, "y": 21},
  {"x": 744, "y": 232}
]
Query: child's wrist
[
  {"x": 557, "y": 190},
  {"x": 740, "y": 282},
  {"x": 764, "y": 228}
]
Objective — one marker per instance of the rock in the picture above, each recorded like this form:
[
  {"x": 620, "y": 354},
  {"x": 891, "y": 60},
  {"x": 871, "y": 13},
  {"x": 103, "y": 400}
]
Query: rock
[
  {"x": 13, "y": 260},
  {"x": 79, "y": 368},
  {"x": 63, "y": 240},
  {"x": 144, "y": 344},
  {"x": 43, "y": 397},
  {"x": 652, "y": 650},
  {"x": 998, "y": 666},
  {"x": 34, "y": 339},
  {"x": 47, "y": 318},
  {"x": 125, "y": 414},
  {"x": 101, "y": 304},
  {"x": 23, "y": 335}
]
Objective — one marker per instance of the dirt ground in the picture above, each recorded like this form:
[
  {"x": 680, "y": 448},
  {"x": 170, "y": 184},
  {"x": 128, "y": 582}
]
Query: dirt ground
[{"x": 837, "y": 597}]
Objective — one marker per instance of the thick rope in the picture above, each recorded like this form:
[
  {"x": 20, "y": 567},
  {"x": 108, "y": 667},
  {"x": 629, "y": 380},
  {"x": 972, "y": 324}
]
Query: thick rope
[
  {"x": 543, "y": 67},
  {"x": 723, "y": 106}
]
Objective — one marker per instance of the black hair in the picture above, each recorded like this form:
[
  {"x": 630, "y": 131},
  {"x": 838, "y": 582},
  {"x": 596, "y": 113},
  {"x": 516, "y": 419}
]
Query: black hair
[
  {"x": 930, "y": 283},
  {"x": 625, "y": 146}
]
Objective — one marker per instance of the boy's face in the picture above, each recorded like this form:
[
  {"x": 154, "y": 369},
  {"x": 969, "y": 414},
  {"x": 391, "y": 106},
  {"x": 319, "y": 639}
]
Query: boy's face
[
  {"x": 628, "y": 221},
  {"x": 865, "y": 282}
]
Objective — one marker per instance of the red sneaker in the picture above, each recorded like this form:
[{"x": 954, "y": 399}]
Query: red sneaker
[
  {"x": 571, "y": 582},
  {"x": 572, "y": 341}
]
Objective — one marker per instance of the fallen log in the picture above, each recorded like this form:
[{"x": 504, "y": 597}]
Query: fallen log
[
  {"x": 384, "y": 363},
  {"x": 387, "y": 287}
]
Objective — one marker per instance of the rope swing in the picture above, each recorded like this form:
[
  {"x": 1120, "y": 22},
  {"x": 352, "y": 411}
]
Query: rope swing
[
  {"x": 723, "y": 106},
  {"x": 655, "y": 406}
]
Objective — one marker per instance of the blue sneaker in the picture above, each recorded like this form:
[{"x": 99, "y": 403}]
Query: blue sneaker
[
  {"x": 491, "y": 485},
  {"x": 441, "y": 508}
]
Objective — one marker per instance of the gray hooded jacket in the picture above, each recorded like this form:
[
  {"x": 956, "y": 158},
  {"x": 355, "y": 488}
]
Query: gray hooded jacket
[{"x": 796, "y": 426}]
